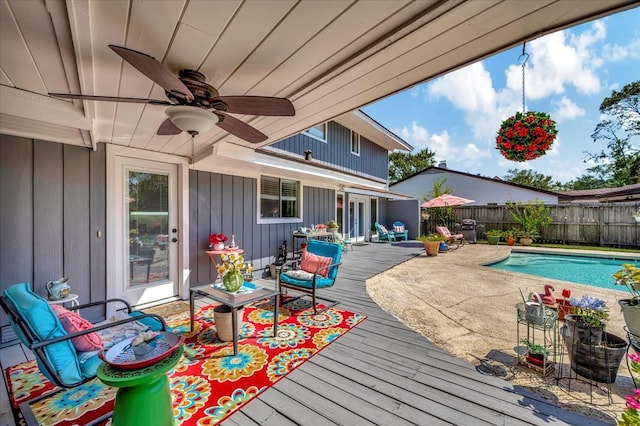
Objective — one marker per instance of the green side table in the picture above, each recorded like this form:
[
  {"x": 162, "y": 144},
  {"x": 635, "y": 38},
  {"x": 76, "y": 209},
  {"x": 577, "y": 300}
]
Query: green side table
[{"x": 144, "y": 396}]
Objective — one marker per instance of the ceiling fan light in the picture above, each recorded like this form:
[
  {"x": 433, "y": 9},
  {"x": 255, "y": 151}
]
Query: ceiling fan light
[{"x": 191, "y": 119}]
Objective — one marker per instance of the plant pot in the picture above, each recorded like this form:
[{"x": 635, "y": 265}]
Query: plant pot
[
  {"x": 333, "y": 231},
  {"x": 564, "y": 308},
  {"x": 493, "y": 239},
  {"x": 431, "y": 247},
  {"x": 223, "y": 320},
  {"x": 274, "y": 269},
  {"x": 596, "y": 362},
  {"x": 536, "y": 359},
  {"x": 511, "y": 241},
  {"x": 631, "y": 314},
  {"x": 583, "y": 333},
  {"x": 637, "y": 218},
  {"x": 526, "y": 241}
]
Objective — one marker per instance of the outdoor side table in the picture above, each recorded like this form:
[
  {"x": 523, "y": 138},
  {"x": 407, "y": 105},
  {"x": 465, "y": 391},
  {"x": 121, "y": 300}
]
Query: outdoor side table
[
  {"x": 235, "y": 301},
  {"x": 143, "y": 396}
]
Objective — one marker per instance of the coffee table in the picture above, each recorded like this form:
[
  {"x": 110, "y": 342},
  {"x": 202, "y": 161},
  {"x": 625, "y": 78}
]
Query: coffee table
[{"x": 235, "y": 301}]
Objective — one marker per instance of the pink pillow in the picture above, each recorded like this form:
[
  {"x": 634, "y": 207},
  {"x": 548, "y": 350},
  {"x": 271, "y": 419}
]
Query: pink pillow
[
  {"x": 399, "y": 228},
  {"x": 383, "y": 229},
  {"x": 311, "y": 262},
  {"x": 73, "y": 323}
]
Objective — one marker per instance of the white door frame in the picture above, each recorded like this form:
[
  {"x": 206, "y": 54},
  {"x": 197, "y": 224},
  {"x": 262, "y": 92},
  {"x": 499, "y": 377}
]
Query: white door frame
[
  {"x": 114, "y": 272},
  {"x": 356, "y": 200}
]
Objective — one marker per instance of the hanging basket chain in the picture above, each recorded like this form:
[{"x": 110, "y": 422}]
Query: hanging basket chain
[
  {"x": 524, "y": 55},
  {"x": 525, "y": 135}
]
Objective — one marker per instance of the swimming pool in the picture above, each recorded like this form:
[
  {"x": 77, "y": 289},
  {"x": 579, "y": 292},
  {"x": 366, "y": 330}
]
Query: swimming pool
[{"x": 595, "y": 271}]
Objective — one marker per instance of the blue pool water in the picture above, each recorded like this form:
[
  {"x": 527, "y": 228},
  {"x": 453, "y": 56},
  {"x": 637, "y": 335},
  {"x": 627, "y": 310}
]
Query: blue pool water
[{"x": 595, "y": 271}]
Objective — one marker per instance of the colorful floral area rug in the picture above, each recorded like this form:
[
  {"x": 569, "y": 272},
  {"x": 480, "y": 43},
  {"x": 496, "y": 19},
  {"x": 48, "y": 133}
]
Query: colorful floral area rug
[{"x": 208, "y": 384}]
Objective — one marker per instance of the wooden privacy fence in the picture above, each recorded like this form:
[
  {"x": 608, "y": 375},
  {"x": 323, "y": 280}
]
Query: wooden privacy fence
[{"x": 588, "y": 224}]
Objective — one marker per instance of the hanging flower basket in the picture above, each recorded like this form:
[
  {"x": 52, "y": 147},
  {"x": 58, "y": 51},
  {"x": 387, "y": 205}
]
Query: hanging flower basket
[{"x": 526, "y": 137}]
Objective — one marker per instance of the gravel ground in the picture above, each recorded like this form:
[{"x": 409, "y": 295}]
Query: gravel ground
[{"x": 469, "y": 309}]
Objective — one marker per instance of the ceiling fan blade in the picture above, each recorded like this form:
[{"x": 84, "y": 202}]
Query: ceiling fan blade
[
  {"x": 240, "y": 128},
  {"x": 111, "y": 99},
  {"x": 168, "y": 128},
  {"x": 156, "y": 71},
  {"x": 256, "y": 105}
]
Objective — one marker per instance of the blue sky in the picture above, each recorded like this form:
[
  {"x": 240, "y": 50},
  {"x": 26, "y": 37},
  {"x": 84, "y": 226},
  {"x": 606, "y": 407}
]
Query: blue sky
[{"x": 568, "y": 74}]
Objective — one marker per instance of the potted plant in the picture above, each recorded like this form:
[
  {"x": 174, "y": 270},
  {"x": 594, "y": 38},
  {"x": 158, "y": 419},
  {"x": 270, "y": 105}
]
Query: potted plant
[
  {"x": 636, "y": 215},
  {"x": 588, "y": 320},
  {"x": 431, "y": 243},
  {"x": 332, "y": 226},
  {"x": 629, "y": 276},
  {"x": 526, "y": 136},
  {"x": 536, "y": 354},
  {"x": 493, "y": 236},
  {"x": 510, "y": 237},
  {"x": 530, "y": 216}
]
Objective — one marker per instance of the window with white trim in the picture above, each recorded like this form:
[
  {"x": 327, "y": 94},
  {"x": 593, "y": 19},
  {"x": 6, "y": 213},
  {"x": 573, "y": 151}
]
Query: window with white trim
[
  {"x": 279, "y": 198},
  {"x": 355, "y": 143},
  {"x": 318, "y": 132}
]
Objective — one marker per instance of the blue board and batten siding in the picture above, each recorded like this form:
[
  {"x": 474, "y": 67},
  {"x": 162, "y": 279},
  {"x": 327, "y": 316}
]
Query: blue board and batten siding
[
  {"x": 372, "y": 161},
  {"x": 52, "y": 206},
  {"x": 228, "y": 204},
  {"x": 53, "y": 217}
]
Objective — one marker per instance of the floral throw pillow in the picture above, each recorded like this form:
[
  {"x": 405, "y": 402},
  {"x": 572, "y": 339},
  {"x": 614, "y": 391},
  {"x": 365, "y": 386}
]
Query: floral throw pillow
[
  {"x": 311, "y": 263},
  {"x": 73, "y": 323}
]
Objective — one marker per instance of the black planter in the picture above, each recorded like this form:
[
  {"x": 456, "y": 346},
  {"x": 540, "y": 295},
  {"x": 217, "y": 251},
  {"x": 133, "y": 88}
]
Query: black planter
[{"x": 599, "y": 363}]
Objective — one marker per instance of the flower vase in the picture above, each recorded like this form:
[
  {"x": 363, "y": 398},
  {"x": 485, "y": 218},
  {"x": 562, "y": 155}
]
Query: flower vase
[
  {"x": 583, "y": 333},
  {"x": 232, "y": 281},
  {"x": 218, "y": 246}
]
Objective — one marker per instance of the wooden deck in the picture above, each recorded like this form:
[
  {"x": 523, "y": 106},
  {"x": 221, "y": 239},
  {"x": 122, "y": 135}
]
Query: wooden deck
[{"x": 381, "y": 372}]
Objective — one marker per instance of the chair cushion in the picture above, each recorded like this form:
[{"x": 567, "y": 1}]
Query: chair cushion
[
  {"x": 44, "y": 324},
  {"x": 320, "y": 282},
  {"x": 73, "y": 323},
  {"x": 383, "y": 229},
  {"x": 398, "y": 228},
  {"x": 300, "y": 274},
  {"x": 311, "y": 263}
]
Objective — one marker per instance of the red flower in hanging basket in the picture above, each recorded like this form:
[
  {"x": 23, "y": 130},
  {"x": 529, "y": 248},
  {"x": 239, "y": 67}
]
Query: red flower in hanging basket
[{"x": 526, "y": 137}]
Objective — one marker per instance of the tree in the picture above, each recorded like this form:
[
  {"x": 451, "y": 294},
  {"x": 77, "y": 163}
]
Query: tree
[
  {"x": 532, "y": 179},
  {"x": 619, "y": 161},
  {"x": 404, "y": 164},
  {"x": 585, "y": 181},
  {"x": 440, "y": 215}
]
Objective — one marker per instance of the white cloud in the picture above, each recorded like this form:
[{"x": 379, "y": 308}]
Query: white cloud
[
  {"x": 566, "y": 109},
  {"x": 420, "y": 138},
  {"x": 469, "y": 89}
]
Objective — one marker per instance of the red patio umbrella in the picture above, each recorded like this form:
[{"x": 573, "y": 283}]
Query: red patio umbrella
[{"x": 446, "y": 200}]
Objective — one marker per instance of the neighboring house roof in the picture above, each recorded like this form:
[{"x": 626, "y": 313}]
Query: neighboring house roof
[
  {"x": 361, "y": 123},
  {"x": 432, "y": 169},
  {"x": 605, "y": 195}
]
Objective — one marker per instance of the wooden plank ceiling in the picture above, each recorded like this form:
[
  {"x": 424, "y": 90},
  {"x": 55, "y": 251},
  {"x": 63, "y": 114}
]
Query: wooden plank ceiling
[{"x": 328, "y": 58}]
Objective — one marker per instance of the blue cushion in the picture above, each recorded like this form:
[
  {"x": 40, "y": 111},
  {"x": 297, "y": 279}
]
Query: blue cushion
[
  {"x": 320, "y": 281},
  {"x": 44, "y": 325}
]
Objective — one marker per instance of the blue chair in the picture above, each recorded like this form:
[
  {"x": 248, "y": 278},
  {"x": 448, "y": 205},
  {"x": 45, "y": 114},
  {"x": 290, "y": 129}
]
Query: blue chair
[
  {"x": 384, "y": 234},
  {"x": 293, "y": 277},
  {"x": 400, "y": 230},
  {"x": 39, "y": 329}
]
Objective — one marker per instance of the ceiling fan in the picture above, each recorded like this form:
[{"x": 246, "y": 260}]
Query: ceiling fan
[{"x": 190, "y": 96}]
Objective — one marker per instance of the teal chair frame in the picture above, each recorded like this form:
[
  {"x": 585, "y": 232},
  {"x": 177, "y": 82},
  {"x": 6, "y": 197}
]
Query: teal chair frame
[
  {"x": 404, "y": 234},
  {"x": 310, "y": 286},
  {"x": 384, "y": 236}
]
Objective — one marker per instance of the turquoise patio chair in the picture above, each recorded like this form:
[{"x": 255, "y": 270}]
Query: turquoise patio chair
[
  {"x": 384, "y": 234},
  {"x": 294, "y": 276},
  {"x": 400, "y": 230}
]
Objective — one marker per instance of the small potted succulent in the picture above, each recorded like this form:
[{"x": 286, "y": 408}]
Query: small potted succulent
[
  {"x": 536, "y": 354},
  {"x": 332, "y": 226}
]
